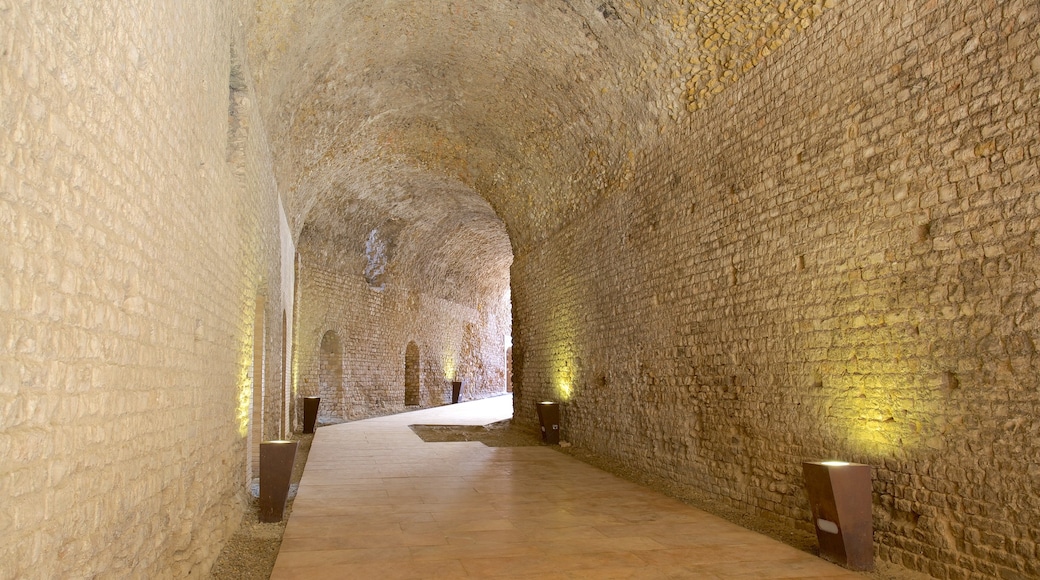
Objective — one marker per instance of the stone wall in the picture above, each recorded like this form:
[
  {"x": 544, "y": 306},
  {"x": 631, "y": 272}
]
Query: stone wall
[
  {"x": 137, "y": 226},
  {"x": 837, "y": 259},
  {"x": 374, "y": 328}
]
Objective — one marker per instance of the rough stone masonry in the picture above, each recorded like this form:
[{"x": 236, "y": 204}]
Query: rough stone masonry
[
  {"x": 729, "y": 236},
  {"x": 839, "y": 261}
]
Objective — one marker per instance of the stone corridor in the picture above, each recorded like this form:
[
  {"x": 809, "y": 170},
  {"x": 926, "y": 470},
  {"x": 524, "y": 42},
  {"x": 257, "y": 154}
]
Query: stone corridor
[{"x": 727, "y": 236}]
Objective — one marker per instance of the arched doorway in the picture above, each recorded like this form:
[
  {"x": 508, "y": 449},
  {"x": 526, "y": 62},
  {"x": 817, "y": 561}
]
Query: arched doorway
[
  {"x": 330, "y": 372},
  {"x": 411, "y": 375}
]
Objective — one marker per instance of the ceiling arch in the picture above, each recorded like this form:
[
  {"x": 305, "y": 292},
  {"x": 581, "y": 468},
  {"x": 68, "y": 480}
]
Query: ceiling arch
[{"x": 507, "y": 116}]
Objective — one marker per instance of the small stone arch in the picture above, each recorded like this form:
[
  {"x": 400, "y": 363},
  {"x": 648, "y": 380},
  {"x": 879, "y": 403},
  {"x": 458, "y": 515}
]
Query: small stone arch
[
  {"x": 411, "y": 375},
  {"x": 330, "y": 371}
]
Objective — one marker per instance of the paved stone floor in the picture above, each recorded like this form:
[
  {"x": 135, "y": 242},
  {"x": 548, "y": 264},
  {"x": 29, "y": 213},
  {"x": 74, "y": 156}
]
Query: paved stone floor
[{"x": 376, "y": 501}]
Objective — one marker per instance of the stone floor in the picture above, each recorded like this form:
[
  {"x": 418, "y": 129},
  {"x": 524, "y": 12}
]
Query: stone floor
[{"x": 375, "y": 501}]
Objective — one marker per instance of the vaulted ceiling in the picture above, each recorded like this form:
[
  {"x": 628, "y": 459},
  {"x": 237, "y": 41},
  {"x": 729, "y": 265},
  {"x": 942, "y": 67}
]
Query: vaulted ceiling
[{"x": 436, "y": 118}]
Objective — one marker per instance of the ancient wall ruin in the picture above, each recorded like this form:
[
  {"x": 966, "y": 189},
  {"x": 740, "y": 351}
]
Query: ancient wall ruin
[
  {"x": 838, "y": 258},
  {"x": 138, "y": 224},
  {"x": 746, "y": 236}
]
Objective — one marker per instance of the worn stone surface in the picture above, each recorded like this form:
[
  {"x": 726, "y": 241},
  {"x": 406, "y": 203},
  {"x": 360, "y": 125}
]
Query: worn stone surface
[
  {"x": 837, "y": 259},
  {"x": 539, "y": 107},
  {"x": 137, "y": 225},
  {"x": 745, "y": 234}
]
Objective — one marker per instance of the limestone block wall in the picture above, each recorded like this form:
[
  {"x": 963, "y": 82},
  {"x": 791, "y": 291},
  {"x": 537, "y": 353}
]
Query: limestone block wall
[
  {"x": 374, "y": 328},
  {"x": 837, "y": 259},
  {"x": 137, "y": 226},
  {"x": 267, "y": 258}
]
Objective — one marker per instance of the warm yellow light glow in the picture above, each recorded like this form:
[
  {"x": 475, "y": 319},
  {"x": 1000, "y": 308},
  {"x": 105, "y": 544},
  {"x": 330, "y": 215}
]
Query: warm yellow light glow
[
  {"x": 450, "y": 367},
  {"x": 565, "y": 390},
  {"x": 835, "y": 463},
  {"x": 880, "y": 395},
  {"x": 243, "y": 409},
  {"x": 563, "y": 382},
  {"x": 245, "y": 383},
  {"x": 885, "y": 412},
  {"x": 563, "y": 348}
]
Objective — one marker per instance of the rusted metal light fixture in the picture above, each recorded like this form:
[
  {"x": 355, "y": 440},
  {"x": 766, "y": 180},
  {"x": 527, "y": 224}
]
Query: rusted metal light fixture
[
  {"x": 310, "y": 413},
  {"x": 549, "y": 417},
  {"x": 276, "y": 465},
  {"x": 456, "y": 391},
  {"x": 840, "y": 499}
]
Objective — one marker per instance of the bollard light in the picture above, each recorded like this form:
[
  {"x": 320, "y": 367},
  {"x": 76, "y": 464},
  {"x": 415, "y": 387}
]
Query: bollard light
[
  {"x": 549, "y": 418},
  {"x": 276, "y": 465},
  {"x": 310, "y": 413},
  {"x": 840, "y": 499}
]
